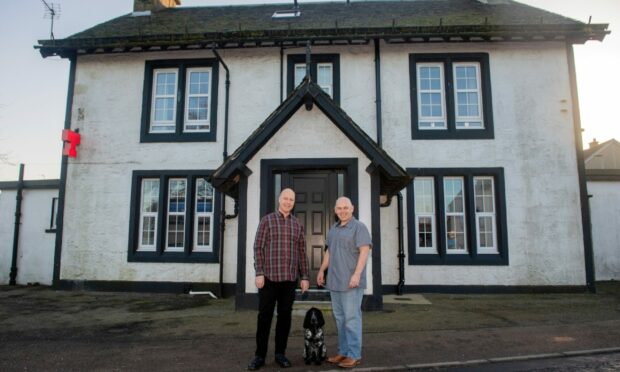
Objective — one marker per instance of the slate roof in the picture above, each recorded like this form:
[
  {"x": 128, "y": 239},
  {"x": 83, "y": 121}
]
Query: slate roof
[
  {"x": 325, "y": 23},
  {"x": 226, "y": 178}
]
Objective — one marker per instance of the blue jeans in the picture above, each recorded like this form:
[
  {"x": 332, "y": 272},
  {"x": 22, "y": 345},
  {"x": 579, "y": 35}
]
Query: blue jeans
[{"x": 347, "y": 309}]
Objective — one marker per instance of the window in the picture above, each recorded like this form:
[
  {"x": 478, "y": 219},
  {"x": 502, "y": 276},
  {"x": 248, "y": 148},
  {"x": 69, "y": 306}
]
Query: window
[
  {"x": 324, "y": 70},
  {"x": 457, "y": 217},
  {"x": 450, "y": 96},
  {"x": 54, "y": 216},
  {"x": 184, "y": 229},
  {"x": 180, "y": 101}
]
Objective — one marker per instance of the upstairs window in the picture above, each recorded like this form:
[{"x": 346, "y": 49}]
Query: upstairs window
[
  {"x": 180, "y": 101},
  {"x": 324, "y": 70},
  {"x": 450, "y": 96}
]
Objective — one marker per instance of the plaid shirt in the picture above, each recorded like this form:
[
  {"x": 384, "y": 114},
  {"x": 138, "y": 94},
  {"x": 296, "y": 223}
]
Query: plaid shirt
[{"x": 280, "y": 248}]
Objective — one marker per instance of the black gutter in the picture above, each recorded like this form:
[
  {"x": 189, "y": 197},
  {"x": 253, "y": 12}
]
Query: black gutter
[
  {"x": 18, "y": 217},
  {"x": 63, "y": 177},
  {"x": 378, "y": 90},
  {"x": 223, "y": 215},
  {"x": 581, "y": 170}
]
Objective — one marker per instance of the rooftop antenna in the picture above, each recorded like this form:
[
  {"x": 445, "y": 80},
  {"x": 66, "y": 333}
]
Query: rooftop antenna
[{"x": 52, "y": 11}]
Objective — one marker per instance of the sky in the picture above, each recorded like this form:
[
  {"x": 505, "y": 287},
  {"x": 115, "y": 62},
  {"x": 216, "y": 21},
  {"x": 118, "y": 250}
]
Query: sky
[{"x": 33, "y": 90}]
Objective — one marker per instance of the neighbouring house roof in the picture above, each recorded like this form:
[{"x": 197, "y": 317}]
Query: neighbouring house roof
[
  {"x": 226, "y": 178},
  {"x": 402, "y": 21},
  {"x": 602, "y": 161},
  {"x": 33, "y": 184}
]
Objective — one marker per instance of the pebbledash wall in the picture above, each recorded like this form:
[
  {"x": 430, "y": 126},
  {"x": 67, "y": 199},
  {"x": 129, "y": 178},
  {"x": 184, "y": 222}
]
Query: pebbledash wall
[{"x": 533, "y": 143}]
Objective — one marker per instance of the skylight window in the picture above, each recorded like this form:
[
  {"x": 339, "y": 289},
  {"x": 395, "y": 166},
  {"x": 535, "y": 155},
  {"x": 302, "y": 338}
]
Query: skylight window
[{"x": 292, "y": 13}]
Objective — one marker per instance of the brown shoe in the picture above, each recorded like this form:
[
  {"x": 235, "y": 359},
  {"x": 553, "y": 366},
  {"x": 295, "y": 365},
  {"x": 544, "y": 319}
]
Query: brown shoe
[
  {"x": 349, "y": 362},
  {"x": 336, "y": 359}
]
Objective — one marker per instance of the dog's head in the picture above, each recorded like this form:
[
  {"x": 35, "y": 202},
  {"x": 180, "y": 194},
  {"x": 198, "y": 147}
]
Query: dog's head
[{"x": 314, "y": 318}]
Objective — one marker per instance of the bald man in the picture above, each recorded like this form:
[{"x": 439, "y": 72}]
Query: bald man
[
  {"x": 348, "y": 245},
  {"x": 279, "y": 260}
]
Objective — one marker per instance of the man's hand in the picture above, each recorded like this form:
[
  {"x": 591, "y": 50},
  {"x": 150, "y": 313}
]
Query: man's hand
[
  {"x": 260, "y": 281},
  {"x": 320, "y": 278},
  {"x": 305, "y": 285},
  {"x": 355, "y": 280}
]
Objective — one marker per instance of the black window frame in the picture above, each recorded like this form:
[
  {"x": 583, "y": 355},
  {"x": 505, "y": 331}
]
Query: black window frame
[
  {"x": 179, "y": 136},
  {"x": 160, "y": 255},
  {"x": 334, "y": 59},
  {"x": 452, "y": 132},
  {"x": 472, "y": 257}
]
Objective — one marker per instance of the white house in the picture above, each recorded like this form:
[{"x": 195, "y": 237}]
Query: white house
[
  {"x": 28, "y": 253},
  {"x": 431, "y": 115},
  {"x": 602, "y": 162}
]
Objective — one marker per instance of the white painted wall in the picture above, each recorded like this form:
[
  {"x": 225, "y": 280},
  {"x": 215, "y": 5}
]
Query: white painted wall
[
  {"x": 533, "y": 143},
  {"x": 35, "y": 252},
  {"x": 291, "y": 142},
  {"x": 605, "y": 215}
]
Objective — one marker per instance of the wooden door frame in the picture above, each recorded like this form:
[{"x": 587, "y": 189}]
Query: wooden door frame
[{"x": 271, "y": 166}]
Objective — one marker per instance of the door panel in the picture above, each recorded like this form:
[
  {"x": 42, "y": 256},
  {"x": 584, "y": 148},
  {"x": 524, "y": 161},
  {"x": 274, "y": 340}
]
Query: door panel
[{"x": 315, "y": 193}]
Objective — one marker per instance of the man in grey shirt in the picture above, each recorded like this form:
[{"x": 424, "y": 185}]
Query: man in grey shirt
[{"x": 348, "y": 245}]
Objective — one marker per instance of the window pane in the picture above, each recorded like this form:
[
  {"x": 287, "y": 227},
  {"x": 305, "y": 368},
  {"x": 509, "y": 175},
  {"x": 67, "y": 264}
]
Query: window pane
[
  {"x": 424, "y": 200},
  {"x": 431, "y": 106},
  {"x": 197, "y": 100},
  {"x": 300, "y": 73},
  {"x": 176, "y": 212},
  {"x": 453, "y": 194},
  {"x": 203, "y": 215},
  {"x": 199, "y": 82},
  {"x": 149, "y": 206},
  {"x": 467, "y": 96}
]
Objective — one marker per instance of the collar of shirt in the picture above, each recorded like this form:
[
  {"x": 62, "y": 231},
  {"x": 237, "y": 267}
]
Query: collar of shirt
[{"x": 348, "y": 224}]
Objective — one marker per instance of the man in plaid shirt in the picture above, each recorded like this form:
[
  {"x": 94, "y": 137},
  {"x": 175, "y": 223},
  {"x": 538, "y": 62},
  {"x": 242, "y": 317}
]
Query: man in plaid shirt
[{"x": 279, "y": 259}]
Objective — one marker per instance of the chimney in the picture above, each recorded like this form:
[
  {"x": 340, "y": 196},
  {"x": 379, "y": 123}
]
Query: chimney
[
  {"x": 593, "y": 143},
  {"x": 154, "y": 5}
]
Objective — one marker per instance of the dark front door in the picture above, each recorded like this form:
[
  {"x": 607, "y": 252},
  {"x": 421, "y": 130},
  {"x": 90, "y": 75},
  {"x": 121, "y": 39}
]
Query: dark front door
[{"x": 315, "y": 196}]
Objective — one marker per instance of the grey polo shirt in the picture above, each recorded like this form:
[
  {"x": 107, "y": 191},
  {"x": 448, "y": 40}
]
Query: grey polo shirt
[{"x": 344, "y": 244}]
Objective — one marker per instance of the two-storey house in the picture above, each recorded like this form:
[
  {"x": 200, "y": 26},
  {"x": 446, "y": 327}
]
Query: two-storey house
[{"x": 453, "y": 125}]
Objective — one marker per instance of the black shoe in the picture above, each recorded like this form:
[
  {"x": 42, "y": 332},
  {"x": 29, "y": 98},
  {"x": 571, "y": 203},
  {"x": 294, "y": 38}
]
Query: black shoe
[
  {"x": 256, "y": 363},
  {"x": 282, "y": 361}
]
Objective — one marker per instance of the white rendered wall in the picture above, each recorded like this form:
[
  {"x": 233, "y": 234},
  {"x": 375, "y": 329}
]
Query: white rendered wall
[
  {"x": 291, "y": 142},
  {"x": 35, "y": 252},
  {"x": 534, "y": 143},
  {"x": 605, "y": 215}
]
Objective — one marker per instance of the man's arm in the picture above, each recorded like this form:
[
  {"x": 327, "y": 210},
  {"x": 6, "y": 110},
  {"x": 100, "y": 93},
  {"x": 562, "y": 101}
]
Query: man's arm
[
  {"x": 303, "y": 262},
  {"x": 320, "y": 278},
  {"x": 259, "y": 252},
  {"x": 361, "y": 263}
]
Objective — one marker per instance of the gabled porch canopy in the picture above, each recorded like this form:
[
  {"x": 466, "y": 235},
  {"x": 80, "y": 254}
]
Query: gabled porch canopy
[{"x": 226, "y": 178}]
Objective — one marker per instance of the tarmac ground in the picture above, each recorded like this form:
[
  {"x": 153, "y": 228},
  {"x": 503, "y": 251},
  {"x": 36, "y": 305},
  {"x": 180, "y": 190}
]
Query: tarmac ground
[{"x": 42, "y": 329}]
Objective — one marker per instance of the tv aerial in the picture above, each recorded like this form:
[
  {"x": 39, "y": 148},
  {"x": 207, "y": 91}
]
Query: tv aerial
[{"x": 52, "y": 11}]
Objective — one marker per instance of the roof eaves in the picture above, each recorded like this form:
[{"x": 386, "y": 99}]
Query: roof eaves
[{"x": 574, "y": 33}]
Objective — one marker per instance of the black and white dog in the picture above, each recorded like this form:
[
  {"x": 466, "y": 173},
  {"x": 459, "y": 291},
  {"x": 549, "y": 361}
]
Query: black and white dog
[{"x": 314, "y": 340}]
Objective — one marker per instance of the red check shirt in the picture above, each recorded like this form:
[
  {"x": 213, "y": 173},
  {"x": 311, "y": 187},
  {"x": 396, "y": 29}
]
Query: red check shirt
[{"x": 280, "y": 248}]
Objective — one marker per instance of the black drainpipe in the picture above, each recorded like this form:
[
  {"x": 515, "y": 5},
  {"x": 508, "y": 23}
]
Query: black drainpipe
[
  {"x": 401, "y": 247},
  {"x": 378, "y": 90},
  {"x": 64, "y": 165},
  {"x": 18, "y": 217},
  {"x": 223, "y": 215},
  {"x": 281, "y": 73},
  {"x": 401, "y": 250}
]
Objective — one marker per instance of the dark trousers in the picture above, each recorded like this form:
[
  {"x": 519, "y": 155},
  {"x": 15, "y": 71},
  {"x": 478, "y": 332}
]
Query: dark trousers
[{"x": 282, "y": 293}]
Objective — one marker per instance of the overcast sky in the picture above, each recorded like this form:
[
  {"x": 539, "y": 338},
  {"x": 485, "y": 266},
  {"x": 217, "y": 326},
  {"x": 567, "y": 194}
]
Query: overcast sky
[{"x": 33, "y": 90}]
